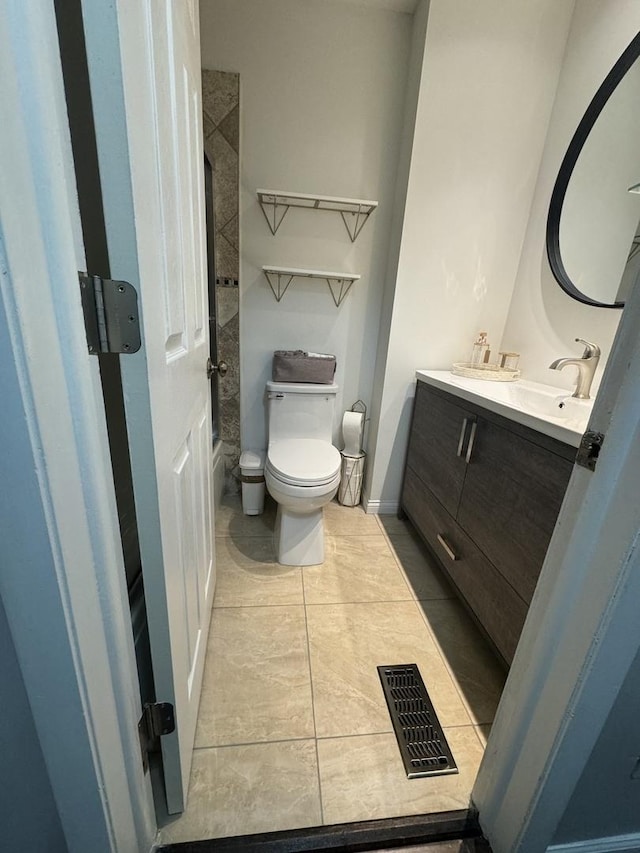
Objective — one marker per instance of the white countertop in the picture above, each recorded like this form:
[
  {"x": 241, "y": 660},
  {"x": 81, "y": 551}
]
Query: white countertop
[{"x": 544, "y": 408}]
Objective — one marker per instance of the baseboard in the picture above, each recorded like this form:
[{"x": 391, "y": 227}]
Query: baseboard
[
  {"x": 380, "y": 507},
  {"x": 612, "y": 844}
]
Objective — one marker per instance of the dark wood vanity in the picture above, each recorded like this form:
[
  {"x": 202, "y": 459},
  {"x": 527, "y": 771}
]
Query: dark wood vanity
[{"x": 484, "y": 492}]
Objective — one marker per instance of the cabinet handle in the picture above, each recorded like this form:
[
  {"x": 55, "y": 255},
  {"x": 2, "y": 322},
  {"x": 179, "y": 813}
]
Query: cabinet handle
[
  {"x": 462, "y": 432},
  {"x": 450, "y": 552},
  {"x": 474, "y": 426}
]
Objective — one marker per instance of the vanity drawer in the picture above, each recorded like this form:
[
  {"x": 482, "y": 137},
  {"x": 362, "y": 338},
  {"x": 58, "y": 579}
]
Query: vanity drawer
[{"x": 497, "y": 606}]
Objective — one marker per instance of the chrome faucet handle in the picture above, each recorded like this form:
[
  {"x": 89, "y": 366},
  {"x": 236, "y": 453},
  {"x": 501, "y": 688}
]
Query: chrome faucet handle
[{"x": 591, "y": 350}]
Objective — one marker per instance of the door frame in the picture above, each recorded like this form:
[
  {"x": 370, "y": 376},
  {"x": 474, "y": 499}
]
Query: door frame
[
  {"x": 88, "y": 714},
  {"x": 582, "y": 632},
  {"x": 62, "y": 580}
]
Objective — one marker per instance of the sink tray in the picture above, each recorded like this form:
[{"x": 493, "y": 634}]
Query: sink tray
[{"x": 488, "y": 372}]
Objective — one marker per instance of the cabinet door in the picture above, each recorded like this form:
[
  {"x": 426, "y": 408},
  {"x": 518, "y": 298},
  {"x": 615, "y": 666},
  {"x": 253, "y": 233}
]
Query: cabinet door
[
  {"x": 435, "y": 450},
  {"x": 512, "y": 495}
]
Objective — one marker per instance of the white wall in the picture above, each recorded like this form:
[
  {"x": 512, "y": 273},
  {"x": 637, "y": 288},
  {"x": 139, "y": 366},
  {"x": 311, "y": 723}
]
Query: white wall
[
  {"x": 543, "y": 321},
  {"x": 321, "y": 94},
  {"x": 487, "y": 88},
  {"x": 416, "y": 58},
  {"x": 599, "y": 217},
  {"x": 605, "y": 800},
  {"x": 30, "y": 818}
]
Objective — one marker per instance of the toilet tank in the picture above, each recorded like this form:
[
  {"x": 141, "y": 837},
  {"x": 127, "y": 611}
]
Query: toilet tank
[{"x": 298, "y": 410}]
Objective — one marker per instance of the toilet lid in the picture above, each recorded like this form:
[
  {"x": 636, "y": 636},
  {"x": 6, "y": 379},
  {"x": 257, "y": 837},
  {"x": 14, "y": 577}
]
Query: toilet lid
[{"x": 303, "y": 461}]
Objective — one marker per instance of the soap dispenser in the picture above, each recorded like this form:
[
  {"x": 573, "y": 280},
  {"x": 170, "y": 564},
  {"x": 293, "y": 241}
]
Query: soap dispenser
[{"x": 480, "y": 352}]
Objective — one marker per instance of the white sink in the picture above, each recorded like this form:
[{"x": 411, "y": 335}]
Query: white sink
[
  {"x": 546, "y": 401},
  {"x": 539, "y": 406},
  {"x": 537, "y": 399}
]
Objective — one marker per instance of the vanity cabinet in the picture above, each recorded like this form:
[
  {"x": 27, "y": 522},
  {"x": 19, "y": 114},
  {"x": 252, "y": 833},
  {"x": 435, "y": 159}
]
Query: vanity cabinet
[{"x": 484, "y": 492}]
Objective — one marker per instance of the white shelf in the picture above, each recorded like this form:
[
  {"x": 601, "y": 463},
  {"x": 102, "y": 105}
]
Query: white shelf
[
  {"x": 354, "y": 211},
  {"x": 280, "y": 278}
]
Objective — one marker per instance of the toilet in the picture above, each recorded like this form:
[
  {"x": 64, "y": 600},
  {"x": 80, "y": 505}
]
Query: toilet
[{"x": 302, "y": 470}]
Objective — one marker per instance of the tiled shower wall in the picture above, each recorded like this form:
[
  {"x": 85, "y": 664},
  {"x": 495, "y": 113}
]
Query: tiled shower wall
[{"x": 221, "y": 121}]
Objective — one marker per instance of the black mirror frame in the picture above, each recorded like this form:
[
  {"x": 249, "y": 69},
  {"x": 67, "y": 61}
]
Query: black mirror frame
[{"x": 624, "y": 63}]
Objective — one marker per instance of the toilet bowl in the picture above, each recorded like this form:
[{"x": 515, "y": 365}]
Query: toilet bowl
[
  {"x": 302, "y": 475},
  {"x": 302, "y": 471}
]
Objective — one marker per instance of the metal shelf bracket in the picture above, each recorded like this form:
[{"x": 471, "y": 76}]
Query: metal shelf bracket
[
  {"x": 339, "y": 287},
  {"x": 355, "y": 221},
  {"x": 271, "y": 207},
  {"x": 277, "y": 282}
]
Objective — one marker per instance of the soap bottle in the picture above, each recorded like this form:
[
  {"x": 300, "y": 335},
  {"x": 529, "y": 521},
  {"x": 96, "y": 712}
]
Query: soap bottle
[
  {"x": 480, "y": 352},
  {"x": 487, "y": 352}
]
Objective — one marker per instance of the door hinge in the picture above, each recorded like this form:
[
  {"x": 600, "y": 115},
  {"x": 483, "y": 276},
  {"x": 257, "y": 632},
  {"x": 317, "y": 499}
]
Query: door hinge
[
  {"x": 589, "y": 449},
  {"x": 158, "y": 718},
  {"x": 111, "y": 318}
]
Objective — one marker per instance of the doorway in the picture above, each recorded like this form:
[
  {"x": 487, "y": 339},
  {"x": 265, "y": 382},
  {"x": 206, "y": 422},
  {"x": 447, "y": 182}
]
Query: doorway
[{"x": 613, "y": 596}]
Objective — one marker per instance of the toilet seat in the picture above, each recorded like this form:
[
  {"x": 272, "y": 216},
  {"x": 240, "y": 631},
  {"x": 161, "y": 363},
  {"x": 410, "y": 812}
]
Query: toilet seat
[
  {"x": 300, "y": 498},
  {"x": 303, "y": 462}
]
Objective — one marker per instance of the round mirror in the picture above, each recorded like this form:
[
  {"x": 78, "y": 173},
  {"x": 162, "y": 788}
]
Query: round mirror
[{"x": 593, "y": 230}]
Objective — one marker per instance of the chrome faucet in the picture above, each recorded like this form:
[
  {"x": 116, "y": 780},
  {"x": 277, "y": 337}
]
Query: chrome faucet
[{"x": 586, "y": 368}]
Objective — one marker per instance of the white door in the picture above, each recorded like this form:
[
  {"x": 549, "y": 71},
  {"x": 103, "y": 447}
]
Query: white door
[{"x": 157, "y": 200}]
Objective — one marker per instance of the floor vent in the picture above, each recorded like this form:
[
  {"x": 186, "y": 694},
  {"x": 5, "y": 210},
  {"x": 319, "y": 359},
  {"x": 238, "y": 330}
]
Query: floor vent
[{"x": 422, "y": 743}]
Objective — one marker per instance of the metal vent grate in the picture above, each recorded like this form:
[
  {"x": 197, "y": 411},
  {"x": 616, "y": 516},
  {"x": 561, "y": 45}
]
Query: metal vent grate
[{"x": 423, "y": 746}]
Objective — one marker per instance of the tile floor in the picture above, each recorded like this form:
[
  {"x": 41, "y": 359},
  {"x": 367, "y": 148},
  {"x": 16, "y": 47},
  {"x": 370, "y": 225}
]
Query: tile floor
[{"x": 293, "y": 729}]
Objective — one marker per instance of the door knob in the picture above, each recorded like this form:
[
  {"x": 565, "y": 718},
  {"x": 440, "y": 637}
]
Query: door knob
[{"x": 220, "y": 368}]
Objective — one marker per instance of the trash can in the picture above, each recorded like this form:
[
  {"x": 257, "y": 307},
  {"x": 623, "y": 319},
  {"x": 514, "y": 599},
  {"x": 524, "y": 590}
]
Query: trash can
[
  {"x": 350, "y": 488},
  {"x": 252, "y": 479}
]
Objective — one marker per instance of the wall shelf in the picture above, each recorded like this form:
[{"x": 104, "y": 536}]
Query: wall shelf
[
  {"x": 354, "y": 211},
  {"x": 280, "y": 278}
]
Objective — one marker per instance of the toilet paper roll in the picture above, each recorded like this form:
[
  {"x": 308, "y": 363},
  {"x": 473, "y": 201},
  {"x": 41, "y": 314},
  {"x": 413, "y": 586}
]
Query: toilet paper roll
[{"x": 352, "y": 432}]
